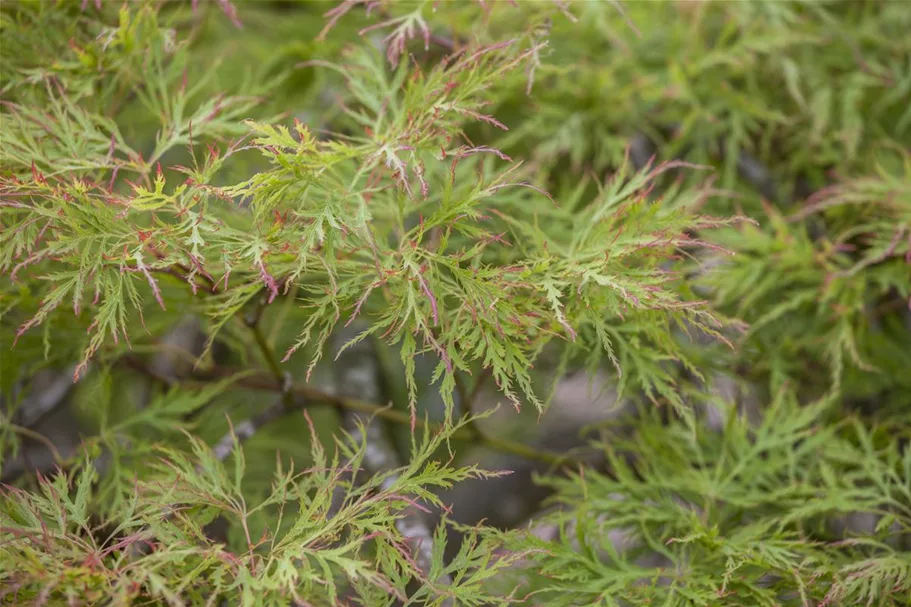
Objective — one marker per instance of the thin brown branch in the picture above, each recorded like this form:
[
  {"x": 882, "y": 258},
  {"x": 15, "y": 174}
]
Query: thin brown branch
[
  {"x": 37, "y": 436},
  {"x": 400, "y": 417},
  {"x": 283, "y": 379},
  {"x": 316, "y": 397}
]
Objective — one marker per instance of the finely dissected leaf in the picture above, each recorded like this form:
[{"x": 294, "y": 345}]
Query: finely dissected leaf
[
  {"x": 692, "y": 507},
  {"x": 303, "y": 559}
]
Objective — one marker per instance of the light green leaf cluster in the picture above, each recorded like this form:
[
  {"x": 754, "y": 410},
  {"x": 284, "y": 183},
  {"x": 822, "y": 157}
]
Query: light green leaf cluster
[
  {"x": 292, "y": 546},
  {"x": 744, "y": 517}
]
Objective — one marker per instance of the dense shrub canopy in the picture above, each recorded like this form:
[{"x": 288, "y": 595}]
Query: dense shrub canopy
[{"x": 279, "y": 252}]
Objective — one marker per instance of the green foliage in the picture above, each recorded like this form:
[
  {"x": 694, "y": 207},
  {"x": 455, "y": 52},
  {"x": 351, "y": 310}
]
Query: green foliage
[
  {"x": 399, "y": 224},
  {"x": 471, "y": 183},
  {"x": 744, "y": 518},
  {"x": 156, "y": 547}
]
